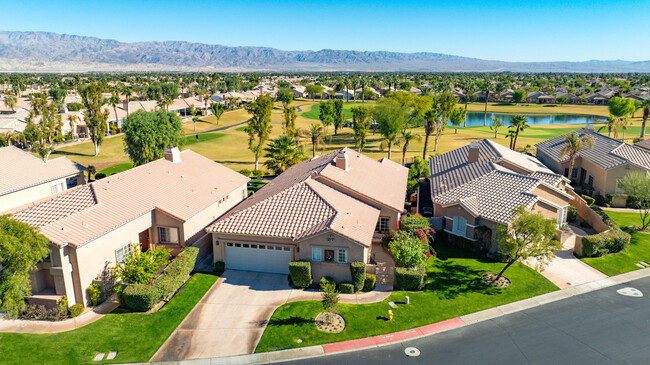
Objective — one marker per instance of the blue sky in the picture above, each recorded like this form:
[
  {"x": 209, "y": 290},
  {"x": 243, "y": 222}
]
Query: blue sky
[{"x": 543, "y": 30}]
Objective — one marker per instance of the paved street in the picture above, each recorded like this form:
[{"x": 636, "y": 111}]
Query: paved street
[{"x": 601, "y": 327}]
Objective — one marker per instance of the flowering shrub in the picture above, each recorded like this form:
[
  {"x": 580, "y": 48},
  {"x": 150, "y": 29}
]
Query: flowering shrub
[{"x": 408, "y": 250}]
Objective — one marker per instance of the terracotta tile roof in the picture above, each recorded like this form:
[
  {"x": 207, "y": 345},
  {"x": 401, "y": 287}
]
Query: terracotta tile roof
[
  {"x": 607, "y": 152},
  {"x": 182, "y": 189},
  {"x": 645, "y": 144},
  {"x": 315, "y": 196},
  {"x": 21, "y": 170}
]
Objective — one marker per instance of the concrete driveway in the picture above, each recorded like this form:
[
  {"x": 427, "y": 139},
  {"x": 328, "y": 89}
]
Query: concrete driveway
[{"x": 232, "y": 316}]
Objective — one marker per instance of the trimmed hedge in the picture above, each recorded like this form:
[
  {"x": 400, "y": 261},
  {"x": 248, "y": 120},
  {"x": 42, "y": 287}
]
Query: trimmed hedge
[
  {"x": 409, "y": 278},
  {"x": 369, "y": 282},
  {"x": 606, "y": 242},
  {"x": 358, "y": 272},
  {"x": 572, "y": 213},
  {"x": 142, "y": 297},
  {"x": 76, "y": 310},
  {"x": 219, "y": 267},
  {"x": 346, "y": 288},
  {"x": 606, "y": 219},
  {"x": 300, "y": 273},
  {"x": 326, "y": 280},
  {"x": 600, "y": 200},
  {"x": 590, "y": 201}
]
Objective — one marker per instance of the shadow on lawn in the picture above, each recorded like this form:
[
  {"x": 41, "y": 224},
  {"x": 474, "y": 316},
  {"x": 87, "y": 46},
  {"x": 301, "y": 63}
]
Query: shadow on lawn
[
  {"x": 291, "y": 321},
  {"x": 453, "y": 280}
]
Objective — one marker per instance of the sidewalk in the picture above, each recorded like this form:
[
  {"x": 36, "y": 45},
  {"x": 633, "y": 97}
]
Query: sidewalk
[{"x": 27, "y": 326}]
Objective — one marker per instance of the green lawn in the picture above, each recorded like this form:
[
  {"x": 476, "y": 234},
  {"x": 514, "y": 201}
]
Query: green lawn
[
  {"x": 205, "y": 137},
  {"x": 453, "y": 288},
  {"x": 626, "y": 260},
  {"x": 136, "y": 336},
  {"x": 116, "y": 168}
]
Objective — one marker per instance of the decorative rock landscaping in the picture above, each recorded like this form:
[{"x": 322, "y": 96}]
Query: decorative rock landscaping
[
  {"x": 334, "y": 324},
  {"x": 490, "y": 278}
]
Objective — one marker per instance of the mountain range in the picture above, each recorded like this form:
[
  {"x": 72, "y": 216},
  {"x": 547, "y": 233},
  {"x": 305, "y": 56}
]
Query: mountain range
[{"x": 53, "y": 52}]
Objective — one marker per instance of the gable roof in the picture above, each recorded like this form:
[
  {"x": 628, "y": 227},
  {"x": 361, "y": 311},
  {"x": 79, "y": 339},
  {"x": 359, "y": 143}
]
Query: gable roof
[
  {"x": 22, "y": 170},
  {"x": 645, "y": 144},
  {"x": 182, "y": 189},
  {"x": 315, "y": 195},
  {"x": 606, "y": 152},
  {"x": 493, "y": 186}
]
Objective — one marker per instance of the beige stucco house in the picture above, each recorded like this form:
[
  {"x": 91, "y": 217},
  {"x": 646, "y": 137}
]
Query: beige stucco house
[
  {"x": 475, "y": 188},
  {"x": 167, "y": 202},
  {"x": 25, "y": 178},
  {"x": 327, "y": 210},
  {"x": 601, "y": 167}
]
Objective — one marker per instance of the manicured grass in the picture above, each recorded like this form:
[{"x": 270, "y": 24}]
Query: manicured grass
[
  {"x": 347, "y": 110},
  {"x": 135, "y": 336},
  {"x": 116, "y": 168},
  {"x": 453, "y": 288},
  {"x": 205, "y": 137},
  {"x": 626, "y": 260}
]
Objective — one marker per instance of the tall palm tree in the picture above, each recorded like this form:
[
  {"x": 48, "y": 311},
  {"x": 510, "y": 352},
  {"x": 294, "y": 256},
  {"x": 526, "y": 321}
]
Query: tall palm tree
[
  {"x": 518, "y": 123},
  {"x": 10, "y": 101},
  {"x": 114, "y": 101},
  {"x": 316, "y": 134},
  {"x": 429, "y": 127},
  {"x": 282, "y": 153},
  {"x": 73, "y": 119},
  {"x": 645, "y": 105},
  {"x": 405, "y": 141},
  {"x": 612, "y": 125},
  {"x": 470, "y": 88},
  {"x": 91, "y": 171},
  {"x": 573, "y": 146},
  {"x": 487, "y": 88},
  {"x": 128, "y": 93}
]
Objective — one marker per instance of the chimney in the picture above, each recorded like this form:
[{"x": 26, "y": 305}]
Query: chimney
[
  {"x": 125, "y": 106},
  {"x": 173, "y": 154},
  {"x": 590, "y": 128},
  {"x": 473, "y": 155},
  {"x": 342, "y": 160}
]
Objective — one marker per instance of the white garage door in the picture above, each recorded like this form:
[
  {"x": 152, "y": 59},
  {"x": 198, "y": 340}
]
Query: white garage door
[{"x": 253, "y": 257}]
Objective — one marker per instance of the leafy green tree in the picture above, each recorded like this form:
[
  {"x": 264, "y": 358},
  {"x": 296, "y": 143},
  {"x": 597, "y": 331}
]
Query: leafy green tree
[
  {"x": 519, "y": 96},
  {"x": 314, "y": 90},
  {"x": 148, "y": 134},
  {"x": 259, "y": 126},
  {"x": 326, "y": 113},
  {"x": 96, "y": 119},
  {"x": 530, "y": 235},
  {"x": 637, "y": 184},
  {"x": 390, "y": 120},
  {"x": 443, "y": 107},
  {"x": 457, "y": 118},
  {"x": 416, "y": 223},
  {"x": 140, "y": 267},
  {"x": 285, "y": 96},
  {"x": 518, "y": 123},
  {"x": 407, "y": 249},
  {"x": 621, "y": 109},
  {"x": 329, "y": 299},
  {"x": 360, "y": 123},
  {"x": 282, "y": 153},
  {"x": 496, "y": 124},
  {"x": 290, "y": 117},
  {"x": 58, "y": 96},
  {"x": 21, "y": 248},
  {"x": 573, "y": 146},
  {"x": 337, "y": 115},
  {"x": 217, "y": 110}
]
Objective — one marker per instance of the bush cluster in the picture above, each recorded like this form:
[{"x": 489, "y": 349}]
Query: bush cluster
[
  {"x": 603, "y": 243},
  {"x": 219, "y": 267},
  {"x": 300, "y": 273},
  {"x": 76, "y": 310},
  {"x": 369, "y": 282},
  {"x": 572, "y": 214},
  {"x": 632, "y": 201},
  {"x": 40, "y": 312},
  {"x": 95, "y": 294},
  {"x": 606, "y": 219},
  {"x": 326, "y": 280},
  {"x": 590, "y": 201},
  {"x": 409, "y": 278},
  {"x": 142, "y": 297},
  {"x": 346, "y": 288},
  {"x": 600, "y": 200},
  {"x": 358, "y": 273}
]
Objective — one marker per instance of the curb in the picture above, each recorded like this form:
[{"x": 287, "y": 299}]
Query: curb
[{"x": 419, "y": 332}]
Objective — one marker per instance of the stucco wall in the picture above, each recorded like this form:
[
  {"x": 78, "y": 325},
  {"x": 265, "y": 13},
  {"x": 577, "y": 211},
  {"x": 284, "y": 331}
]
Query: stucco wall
[
  {"x": 339, "y": 271},
  {"x": 25, "y": 196}
]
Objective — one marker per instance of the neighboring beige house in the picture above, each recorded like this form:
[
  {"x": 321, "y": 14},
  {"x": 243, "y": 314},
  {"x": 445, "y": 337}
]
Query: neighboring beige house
[
  {"x": 601, "y": 167},
  {"x": 167, "y": 202},
  {"x": 327, "y": 210},
  {"x": 475, "y": 188},
  {"x": 25, "y": 178}
]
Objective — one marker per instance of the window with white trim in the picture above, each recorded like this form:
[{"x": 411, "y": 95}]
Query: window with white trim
[
  {"x": 382, "y": 225},
  {"x": 243, "y": 193},
  {"x": 343, "y": 256},
  {"x": 57, "y": 188},
  {"x": 316, "y": 254},
  {"x": 561, "y": 216},
  {"x": 168, "y": 235},
  {"x": 123, "y": 253},
  {"x": 460, "y": 225}
]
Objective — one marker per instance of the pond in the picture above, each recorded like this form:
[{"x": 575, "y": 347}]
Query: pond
[{"x": 476, "y": 118}]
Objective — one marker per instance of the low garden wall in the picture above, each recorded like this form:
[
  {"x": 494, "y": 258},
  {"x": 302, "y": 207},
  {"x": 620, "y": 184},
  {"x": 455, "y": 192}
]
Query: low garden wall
[
  {"x": 588, "y": 214},
  {"x": 204, "y": 244}
]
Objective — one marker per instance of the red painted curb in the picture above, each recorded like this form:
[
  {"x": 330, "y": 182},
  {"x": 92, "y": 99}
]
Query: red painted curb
[{"x": 329, "y": 348}]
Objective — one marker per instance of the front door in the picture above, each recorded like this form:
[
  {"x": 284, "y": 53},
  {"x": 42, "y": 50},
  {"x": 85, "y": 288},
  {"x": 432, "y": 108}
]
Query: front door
[
  {"x": 583, "y": 175},
  {"x": 144, "y": 240}
]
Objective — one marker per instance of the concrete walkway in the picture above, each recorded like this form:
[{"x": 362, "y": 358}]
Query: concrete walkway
[
  {"x": 90, "y": 316},
  {"x": 566, "y": 270},
  {"x": 622, "y": 210},
  {"x": 230, "y": 319}
]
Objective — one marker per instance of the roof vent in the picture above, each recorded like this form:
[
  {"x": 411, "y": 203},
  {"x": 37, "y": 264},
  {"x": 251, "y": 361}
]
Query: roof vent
[
  {"x": 173, "y": 154},
  {"x": 341, "y": 160},
  {"x": 590, "y": 128},
  {"x": 473, "y": 154}
]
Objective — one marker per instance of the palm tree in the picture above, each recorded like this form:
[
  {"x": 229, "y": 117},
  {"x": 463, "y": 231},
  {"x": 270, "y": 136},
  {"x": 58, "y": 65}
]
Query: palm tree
[
  {"x": 645, "y": 105},
  {"x": 487, "y": 88},
  {"x": 611, "y": 125},
  {"x": 128, "y": 93},
  {"x": 496, "y": 124},
  {"x": 316, "y": 134},
  {"x": 429, "y": 127},
  {"x": 73, "y": 119},
  {"x": 282, "y": 153},
  {"x": 518, "y": 123},
  {"x": 470, "y": 88},
  {"x": 574, "y": 145},
  {"x": 15, "y": 137},
  {"x": 91, "y": 171},
  {"x": 113, "y": 101},
  {"x": 10, "y": 101},
  {"x": 405, "y": 141}
]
